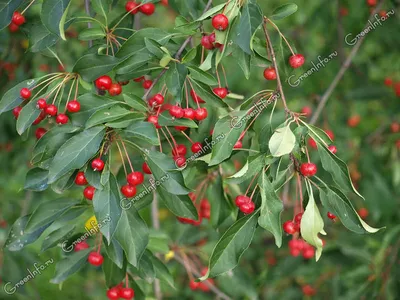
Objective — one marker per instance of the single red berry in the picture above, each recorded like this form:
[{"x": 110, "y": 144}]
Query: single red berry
[
  {"x": 123, "y": 82},
  {"x": 343, "y": 11},
  {"x": 247, "y": 208},
  {"x": 363, "y": 212},
  {"x": 25, "y": 93},
  {"x": 80, "y": 179},
  {"x": 308, "y": 290},
  {"x": 295, "y": 252},
  {"x": 333, "y": 149},
  {"x": 195, "y": 97},
  {"x": 98, "y": 164},
  {"x": 289, "y": 227},
  {"x": 176, "y": 111},
  {"x": 242, "y": 199},
  {"x": 196, "y": 147},
  {"x": 17, "y": 111},
  {"x": 330, "y": 134},
  {"x": 371, "y": 2},
  {"x": 146, "y": 168},
  {"x": 154, "y": 120},
  {"x": 331, "y": 215},
  {"x": 189, "y": 113},
  {"x": 139, "y": 79},
  {"x": 115, "y": 89},
  {"x": 194, "y": 285},
  {"x": 73, "y": 106},
  {"x": 128, "y": 190},
  {"x": 307, "y": 111},
  {"x": 13, "y": 28},
  {"x": 51, "y": 110},
  {"x": 62, "y": 119},
  {"x": 180, "y": 160},
  {"x": 395, "y": 127},
  {"x": 206, "y": 214},
  {"x": 388, "y": 81},
  {"x": 204, "y": 287},
  {"x": 220, "y": 22},
  {"x": 126, "y": 293},
  {"x": 180, "y": 128},
  {"x": 206, "y": 43},
  {"x": 179, "y": 149},
  {"x": 103, "y": 82},
  {"x": 113, "y": 293},
  {"x": 308, "y": 252},
  {"x": 270, "y": 73},
  {"x": 353, "y": 121},
  {"x": 220, "y": 92},
  {"x": 135, "y": 178},
  {"x": 148, "y": 9},
  {"x": 297, "y": 218},
  {"x": 18, "y": 19},
  {"x": 147, "y": 84},
  {"x": 238, "y": 145},
  {"x": 40, "y": 132},
  {"x": 81, "y": 246},
  {"x": 296, "y": 61},
  {"x": 312, "y": 143},
  {"x": 95, "y": 259},
  {"x": 212, "y": 37},
  {"x": 201, "y": 113},
  {"x": 41, "y": 104},
  {"x": 205, "y": 204},
  {"x": 308, "y": 169},
  {"x": 88, "y": 192},
  {"x": 159, "y": 99},
  {"x": 39, "y": 118},
  {"x": 130, "y": 7}
]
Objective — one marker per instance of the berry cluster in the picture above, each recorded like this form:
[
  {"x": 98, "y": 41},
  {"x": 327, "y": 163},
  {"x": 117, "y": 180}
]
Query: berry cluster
[
  {"x": 292, "y": 227},
  {"x": 104, "y": 83},
  {"x": 245, "y": 204},
  {"x": 332, "y": 148},
  {"x": 300, "y": 246},
  {"x": 120, "y": 292},
  {"x": 209, "y": 43},
  {"x": 396, "y": 86},
  {"x": 201, "y": 285},
  {"x": 133, "y": 8},
  {"x": 17, "y": 20},
  {"x": 204, "y": 211}
]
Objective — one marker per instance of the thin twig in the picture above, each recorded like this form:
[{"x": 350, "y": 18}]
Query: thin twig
[{"x": 89, "y": 24}]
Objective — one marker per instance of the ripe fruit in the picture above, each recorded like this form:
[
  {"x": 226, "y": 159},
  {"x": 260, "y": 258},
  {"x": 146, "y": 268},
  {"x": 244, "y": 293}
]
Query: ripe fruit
[
  {"x": 395, "y": 127},
  {"x": 238, "y": 145},
  {"x": 146, "y": 168},
  {"x": 25, "y": 93},
  {"x": 270, "y": 73},
  {"x": 247, "y": 208},
  {"x": 153, "y": 119},
  {"x": 176, "y": 111},
  {"x": 130, "y": 7},
  {"x": 333, "y": 149},
  {"x": 220, "y": 22},
  {"x": 139, "y": 79},
  {"x": 95, "y": 259},
  {"x": 289, "y": 227},
  {"x": 126, "y": 293},
  {"x": 135, "y": 178},
  {"x": 41, "y": 104},
  {"x": 73, "y": 106},
  {"x": 353, "y": 121},
  {"x": 363, "y": 212},
  {"x": 307, "y": 111},
  {"x": 97, "y": 164},
  {"x": 371, "y": 2},
  {"x": 201, "y": 113},
  {"x": 194, "y": 285},
  {"x": 18, "y": 19},
  {"x": 241, "y": 200},
  {"x": 189, "y": 113},
  {"x": 115, "y": 89},
  {"x": 40, "y": 132},
  {"x": 39, "y": 118},
  {"x": 331, "y": 215},
  {"x": 12, "y": 27},
  {"x": 206, "y": 43},
  {"x": 103, "y": 82},
  {"x": 148, "y": 9},
  {"x": 88, "y": 192},
  {"x": 308, "y": 252},
  {"x": 128, "y": 190},
  {"x": 298, "y": 217},
  {"x": 159, "y": 99},
  {"x": 312, "y": 143},
  {"x": 308, "y": 290},
  {"x": 17, "y": 111},
  {"x": 51, "y": 110},
  {"x": 220, "y": 92},
  {"x": 196, "y": 98},
  {"x": 308, "y": 169},
  {"x": 180, "y": 128},
  {"x": 81, "y": 246},
  {"x": 388, "y": 81},
  {"x": 180, "y": 161},
  {"x": 62, "y": 119},
  {"x": 113, "y": 293},
  {"x": 296, "y": 61},
  {"x": 196, "y": 147},
  {"x": 179, "y": 149},
  {"x": 330, "y": 134},
  {"x": 147, "y": 84},
  {"x": 80, "y": 179}
]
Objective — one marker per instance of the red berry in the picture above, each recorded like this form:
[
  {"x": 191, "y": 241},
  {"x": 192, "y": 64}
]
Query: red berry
[
  {"x": 204, "y": 287},
  {"x": 130, "y": 7},
  {"x": 312, "y": 143},
  {"x": 212, "y": 37},
  {"x": 40, "y": 132},
  {"x": 353, "y": 121},
  {"x": 330, "y": 134},
  {"x": 196, "y": 147},
  {"x": 62, "y": 119},
  {"x": 196, "y": 98},
  {"x": 388, "y": 81},
  {"x": 333, "y": 149},
  {"x": 81, "y": 246},
  {"x": 98, "y": 164},
  {"x": 180, "y": 161},
  {"x": 154, "y": 120},
  {"x": 242, "y": 199},
  {"x": 295, "y": 252},
  {"x": 148, "y": 8},
  {"x": 88, "y": 192},
  {"x": 176, "y": 111},
  {"x": 238, "y": 145},
  {"x": 135, "y": 178},
  {"x": 308, "y": 169},
  {"x": 220, "y": 92},
  {"x": 95, "y": 259},
  {"x": 139, "y": 79},
  {"x": 189, "y": 113},
  {"x": 13, "y": 28},
  {"x": 201, "y": 113},
  {"x": 395, "y": 127},
  {"x": 194, "y": 285},
  {"x": 126, "y": 293},
  {"x": 297, "y": 218},
  {"x": 308, "y": 290},
  {"x": 113, "y": 293},
  {"x": 205, "y": 204},
  {"x": 103, "y": 82},
  {"x": 18, "y": 19},
  {"x": 296, "y": 61},
  {"x": 41, "y": 104},
  {"x": 128, "y": 190},
  {"x": 73, "y": 106},
  {"x": 180, "y": 128},
  {"x": 270, "y": 73},
  {"x": 80, "y": 179},
  {"x": 331, "y": 215},
  {"x": 247, "y": 208},
  {"x": 159, "y": 99},
  {"x": 206, "y": 43},
  {"x": 363, "y": 212},
  {"x": 146, "y": 168},
  {"x": 25, "y": 93},
  {"x": 17, "y": 111},
  {"x": 147, "y": 84},
  {"x": 115, "y": 89},
  {"x": 220, "y": 22},
  {"x": 51, "y": 110},
  {"x": 289, "y": 227},
  {"x": 179, "y": 149},
  {"x": 307, "y": 111},
  {"x": 39, "y": 118},
  {"x": 371, "y": 2}
]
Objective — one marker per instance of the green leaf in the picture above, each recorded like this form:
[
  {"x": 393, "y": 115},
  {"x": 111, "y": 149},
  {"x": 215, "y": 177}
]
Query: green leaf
[
  {"x": 110, "y": 114},
  {"x": 12, "y": 98},
  {"x": 231, "y": 246},
  {"x": 253, "y": 165},
  {"x": 135, "y": 102},
  {"x": 190, "y": 55},
  {"x": 53, "y": 14},
  {"x": 7, "y": 8},
  {"x": 221, "y": 207},
  {"x": 161, "y": 271},
  {"x": 70, "y": 265},
  {"x": 92, "y": 66},
  {"x": 250, "y": 21},
  {"x": 143, "y": 131},
  {"x": 312, "y": 223},
  {"x": 90, "y": 34},
  {"x": 244, "y": 61},
  {"x": 93, "y": 178},
  {"x": 158, "y": 242},
  {"x": 47, "y": 212},
  {"x": 282, "y": 141},
  {"x": 107, "y": 209},
  {"x": 36, "y": 180},
  {"x": 146, "y": 270},
  {"x": 226, "y": 133},
  {"x": 132, "y": 234},
  {"x": 27, "y": 116},
  {"x": 112, "y": 273},
  {"x": 54, "y": 238},
  {"x": 179, "y": 205},
  {"x": 40, "y": 38},
  {"x": 271, "y": 209},
  {"x": 154, "y": 47},
  {"x": 175, "y": 78},
  {"x": 165, "y": 119},
  {"x": 75, "y": 152},
  {"x": 101, "y": 7},
  {"x": 284, "y": 11},
  {"x": 61, "y": 25},
  {"x": 114, "y": 252},
  {"x": 199, "y": 75},
  {"x": 204, "y": 92},
  {"x": 211, "y": 12}
]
